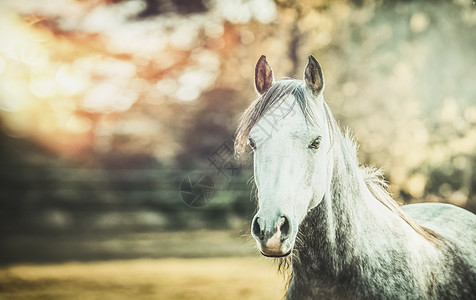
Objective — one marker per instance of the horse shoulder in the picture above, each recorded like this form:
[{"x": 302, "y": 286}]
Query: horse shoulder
[{"x": 457, "y": 228}]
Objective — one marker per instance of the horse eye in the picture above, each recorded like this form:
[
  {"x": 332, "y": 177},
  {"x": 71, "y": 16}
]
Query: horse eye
[
  {"x": 252, "y": 144},
  {"x": 315, "y": 143}
]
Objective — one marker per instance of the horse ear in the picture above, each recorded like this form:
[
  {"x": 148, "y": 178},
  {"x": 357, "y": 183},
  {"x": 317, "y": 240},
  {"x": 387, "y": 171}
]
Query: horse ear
[
  {"x": 263, "y": 75},
  {"x": 313, "y": 76}
]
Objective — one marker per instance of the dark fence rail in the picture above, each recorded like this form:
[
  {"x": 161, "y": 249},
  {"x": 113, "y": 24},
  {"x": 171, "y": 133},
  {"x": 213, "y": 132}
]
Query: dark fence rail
[{"x": 43, "y": 198}]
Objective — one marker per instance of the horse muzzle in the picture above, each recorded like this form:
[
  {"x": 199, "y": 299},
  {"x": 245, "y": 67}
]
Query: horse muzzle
[{"x": 272, "y": 235}]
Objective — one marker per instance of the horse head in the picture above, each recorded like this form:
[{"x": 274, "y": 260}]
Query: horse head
[{"x": 288, "y": 131}]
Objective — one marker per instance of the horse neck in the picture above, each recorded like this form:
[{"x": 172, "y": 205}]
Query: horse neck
[{"x": 350, "y": 227}]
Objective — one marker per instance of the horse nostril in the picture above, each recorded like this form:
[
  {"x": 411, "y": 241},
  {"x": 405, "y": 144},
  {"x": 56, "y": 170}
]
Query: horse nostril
[
  {"x": 284, "y": 227},
  {"x": 257, "y": 230}
]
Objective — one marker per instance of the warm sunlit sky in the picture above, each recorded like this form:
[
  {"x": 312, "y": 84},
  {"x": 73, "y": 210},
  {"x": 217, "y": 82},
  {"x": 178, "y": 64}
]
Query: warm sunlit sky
[{"x": 63, "y": 64}]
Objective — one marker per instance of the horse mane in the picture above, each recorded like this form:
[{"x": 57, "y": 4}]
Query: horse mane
[{"x": 379, "y": 188}]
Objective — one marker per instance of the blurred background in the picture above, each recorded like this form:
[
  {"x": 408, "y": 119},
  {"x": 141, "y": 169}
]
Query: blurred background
[{"x": 117, "y": 175}]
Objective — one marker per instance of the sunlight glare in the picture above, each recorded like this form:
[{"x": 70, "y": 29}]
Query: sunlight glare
[
  {"x": 34, "y": 55},
  {"x": 43, "y": 87},
  {"x": 13, "y": 97},
  {"x": 2, "y": 65},
  {"x": 105, "y": 97},
  {"x": 77, "y": 124},
  {"x": 72, "y": 81},
  {"x": 193, "y": 82}
]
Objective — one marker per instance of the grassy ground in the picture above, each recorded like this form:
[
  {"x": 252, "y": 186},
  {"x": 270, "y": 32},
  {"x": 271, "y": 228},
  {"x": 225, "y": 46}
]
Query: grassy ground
[{"x": 169, "y": 278}]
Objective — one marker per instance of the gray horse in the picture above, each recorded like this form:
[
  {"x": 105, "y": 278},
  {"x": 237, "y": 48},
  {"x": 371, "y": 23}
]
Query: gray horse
[{"x": 345, "y": 236}]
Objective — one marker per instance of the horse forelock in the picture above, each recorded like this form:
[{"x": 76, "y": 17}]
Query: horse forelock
[{"x": 275, "y": 96}]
